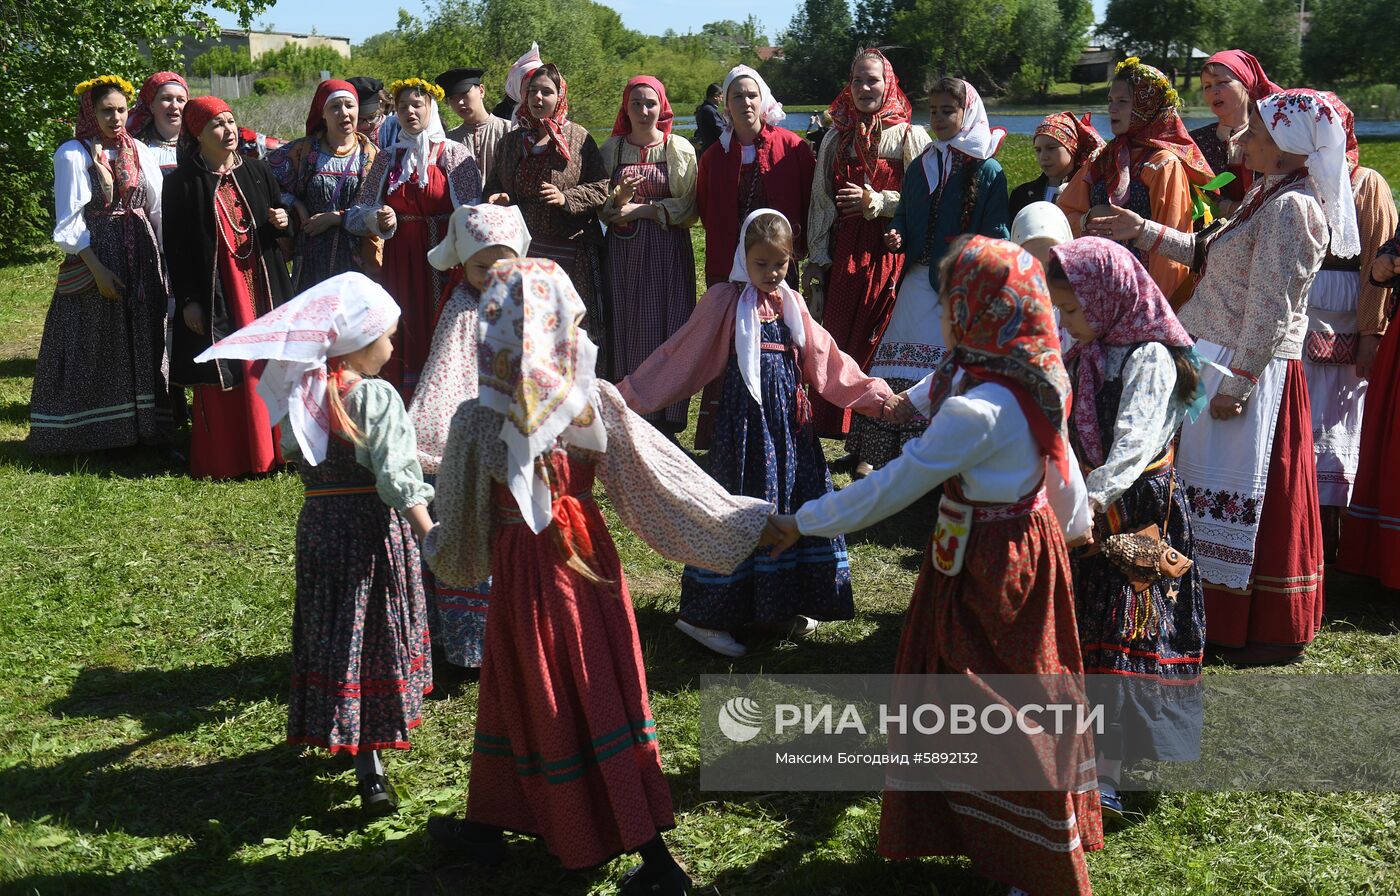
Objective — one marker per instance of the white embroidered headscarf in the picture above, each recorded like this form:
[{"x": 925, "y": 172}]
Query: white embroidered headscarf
[
  {"x": 770, "y": 111},
  {"x": 333, "y": 318},
  {"x": 476, "y": 227},
  {"x": 536, "y": 366},
  {"x": 1304, "y": 122},
  {"x": 1041, "y": 220},
  {"x": 976, "y": 138},
  {"x": 521, "y": 71},
  {"x": 747, "y": 329},
  {"x": 419, "y": 148}
]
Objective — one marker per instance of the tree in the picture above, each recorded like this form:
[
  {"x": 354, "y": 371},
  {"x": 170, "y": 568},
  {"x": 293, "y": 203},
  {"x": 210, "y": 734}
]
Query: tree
[
  {"x": 222, "y": 60},
  {"x": 301, "y": 65},
  {"x": 1351, "y": 40},
  {"x": 817, "y": 47},
  {"x": 970, "y": 39},
  {"x": 1269, "y": 30},
  {"x": 1165, "y": 31},
  {"x": 47, "y": 48}
]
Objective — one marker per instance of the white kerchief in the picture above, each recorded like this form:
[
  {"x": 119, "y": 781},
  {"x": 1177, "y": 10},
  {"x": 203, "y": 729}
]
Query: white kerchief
[
  {"x": 747, "y": 328},
  {"x": 475, "y": 227},
  {"x": 418, "y": 154},
  {"x": 770, "y": 111},
  {"x": 1304, "y": 122},
  {"x": 976, "y": 138},
  {"x": 520, "y": 73},
  {"x": 333, "y": 318},
  {"x": 536, "y": 368}
]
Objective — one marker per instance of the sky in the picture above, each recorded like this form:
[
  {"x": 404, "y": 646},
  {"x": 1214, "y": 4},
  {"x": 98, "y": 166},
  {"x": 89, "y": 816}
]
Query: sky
[{"x": 358, "y": 19}]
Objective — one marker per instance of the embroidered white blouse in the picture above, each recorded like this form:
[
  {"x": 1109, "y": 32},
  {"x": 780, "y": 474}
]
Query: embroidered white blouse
[
  {"x": 72, "y": 191},
  {"x": 981, "y": 436}
]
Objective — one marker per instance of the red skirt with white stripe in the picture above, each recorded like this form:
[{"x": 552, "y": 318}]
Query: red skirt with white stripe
[
  {"x": 1010, "y": 611},
  {"x": 1370, "y": 544}
]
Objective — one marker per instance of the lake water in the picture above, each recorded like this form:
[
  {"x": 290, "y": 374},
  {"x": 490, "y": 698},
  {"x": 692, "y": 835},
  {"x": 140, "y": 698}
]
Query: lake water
[{"x": 1026, "y": 124}]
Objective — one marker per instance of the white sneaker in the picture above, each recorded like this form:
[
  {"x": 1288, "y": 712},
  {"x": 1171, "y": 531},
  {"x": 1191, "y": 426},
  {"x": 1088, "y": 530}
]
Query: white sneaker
[
  {"x": 802, "y": 626},
  {"x": 719, "y": 641}
]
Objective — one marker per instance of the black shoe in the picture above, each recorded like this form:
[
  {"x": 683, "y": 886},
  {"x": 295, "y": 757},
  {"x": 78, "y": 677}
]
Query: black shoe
[
  {"x": 378, "y": 797},
  {"x": 672, "y": 882},
  {"x": 467, "y": 840},
  {"x": 174, "y": 456}
]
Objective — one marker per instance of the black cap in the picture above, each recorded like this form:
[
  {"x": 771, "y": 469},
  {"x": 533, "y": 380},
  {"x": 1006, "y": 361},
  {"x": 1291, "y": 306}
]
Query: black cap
[
  {"x": 365, "y": 86},
  {"x": 459, "y": 80}
]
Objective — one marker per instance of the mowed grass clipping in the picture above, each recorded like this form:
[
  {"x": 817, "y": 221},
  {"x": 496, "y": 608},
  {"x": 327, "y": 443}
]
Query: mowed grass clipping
[{"x": 145, "y": 625}]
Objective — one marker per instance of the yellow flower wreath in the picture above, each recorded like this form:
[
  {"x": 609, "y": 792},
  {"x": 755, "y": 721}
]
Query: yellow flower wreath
[
  {"x": 1153, "y": 76},
  {"x": 427, "y": 87},
  {"x": 121, "y": 83}
]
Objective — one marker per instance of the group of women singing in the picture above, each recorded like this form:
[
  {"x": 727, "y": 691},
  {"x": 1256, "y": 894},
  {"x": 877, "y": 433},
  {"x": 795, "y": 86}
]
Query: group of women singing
[{"x": 491, "y": 320}]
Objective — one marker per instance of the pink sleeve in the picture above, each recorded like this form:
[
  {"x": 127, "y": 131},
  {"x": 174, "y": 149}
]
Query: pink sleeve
[
  {"x": 835, "y": 375},
  {"x": 690, "y": 360}
]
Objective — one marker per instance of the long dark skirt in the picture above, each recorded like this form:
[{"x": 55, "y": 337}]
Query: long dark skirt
[
  {"x": 1150, "y": 671},
  {"x": 768, "y": 452},
  {"x": 361, "y": 660}
]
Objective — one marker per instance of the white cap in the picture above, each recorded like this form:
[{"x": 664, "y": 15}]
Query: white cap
[{"x": 1041, "y": 220}]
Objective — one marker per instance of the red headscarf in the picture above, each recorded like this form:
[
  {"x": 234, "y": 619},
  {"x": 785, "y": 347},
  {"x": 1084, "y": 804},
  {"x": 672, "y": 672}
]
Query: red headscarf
[
  {"x": 126, "y": 173},
  {"x": 1006, "y": 334},
  {"x": 317, "y": 115},
  {"x": 1075, "y": 134},
  {"x": 141, "y": 113},
  {"x": 1247, "y": 70},
  {"x": 862, "y": 131},
  {"x": 1348, "y": 125},
  {"x": 1125, "y": 307},
  {"x": 554, "y": 123},
  {"x": 623, "y": 125},
  {"x": 1155, "y": 123},
  {"x": 201, "y": 110}
]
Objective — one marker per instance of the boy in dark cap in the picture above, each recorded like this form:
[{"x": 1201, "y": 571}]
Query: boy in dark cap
[
  {"x": 377, "y": 119},
  {"x": 480, "y": 131}
]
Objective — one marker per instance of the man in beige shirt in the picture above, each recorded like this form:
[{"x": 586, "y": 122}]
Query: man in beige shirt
[{"x": 480, "y": 131}]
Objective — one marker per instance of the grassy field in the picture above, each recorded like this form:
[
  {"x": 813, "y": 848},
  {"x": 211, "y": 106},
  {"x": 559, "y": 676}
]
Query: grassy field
[{"x": 144, "y": 638}]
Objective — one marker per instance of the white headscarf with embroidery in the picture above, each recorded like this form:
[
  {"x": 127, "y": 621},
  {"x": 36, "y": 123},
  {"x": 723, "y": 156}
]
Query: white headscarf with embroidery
[
  {"x": 770, "y": 111},
  {"x": 333, "y": 318},
  {"x": 747, "y": 328},
  {"x": 418, "y": 148},
  {"x": 1305, "y": 123},
  {"x": 537, "y": 370},
  {"x": 521, "y": 71},
  {"x": 476, "y": 227}
]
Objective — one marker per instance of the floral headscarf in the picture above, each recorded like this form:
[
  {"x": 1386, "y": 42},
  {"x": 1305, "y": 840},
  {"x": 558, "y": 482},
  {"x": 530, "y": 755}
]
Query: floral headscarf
[
  {"x": 1075, "y": 134},
  {"x": 537, "y": 370},
  {"x": 333, "y": 318},
  {"x": 140, "y": 115},
  {"x": 1006, "y": 334},
  {"x": 861, "y": 131},
  {"x": 1125, "y": 307},
  {"x": 1243, "y": 67},
  {"x": 1156, "y": 124},
  {"x": 623, "y": 125},
  {"x": 554, "y": 124},
  {"x": 476, "y": 227},
  {"x": 125, "y": 174},
  {"x": 1305, "y": 122}
]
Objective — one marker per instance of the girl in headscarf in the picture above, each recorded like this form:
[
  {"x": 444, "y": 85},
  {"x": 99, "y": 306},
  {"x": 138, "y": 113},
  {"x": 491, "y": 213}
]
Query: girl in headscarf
[
  {"x": 1346, "y": 319},
  {"x": 1063, "y": 144},
  {"x": 224, "y": 216},
  {"x": 757, "y": 163},
  {"x": 851, "y": 276},
  {"x": 566, "y": 745},
  {"x": 479, "y": 236},
  {"x": 1136, "y": 380},
  {"x": 320, "y": 175},
  {"x": 1232, "y": 81},
  {"x": 1149, "y": 167},
  {"x": 552, "y": 169},
  {"x": 360, "y": 657},
  {"x": 100, "y": 380},
  {"x": 155, "y": 119},
  {"x": 406, "y": 200},
  {"x": 956, "y": 188},
  {"x": 755, "y": 337},
  {"x": 997, "y": 601},
  {"x": 1248, "y": 467},
  {"x": 651, "y": 265}
]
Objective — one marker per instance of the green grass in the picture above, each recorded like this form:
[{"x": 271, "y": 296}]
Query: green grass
[{"x": 144, "y": 638}]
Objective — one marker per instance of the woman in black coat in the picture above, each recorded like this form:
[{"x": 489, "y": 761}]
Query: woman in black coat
[{"x": 224, "y": 214}]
